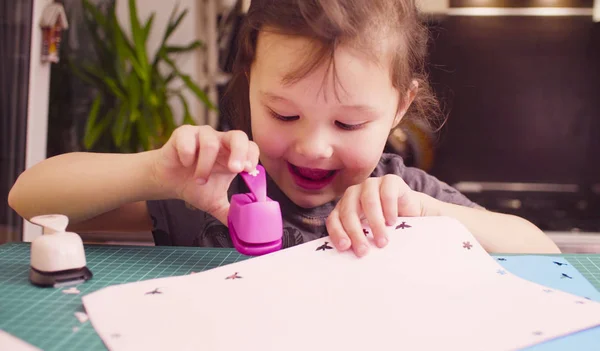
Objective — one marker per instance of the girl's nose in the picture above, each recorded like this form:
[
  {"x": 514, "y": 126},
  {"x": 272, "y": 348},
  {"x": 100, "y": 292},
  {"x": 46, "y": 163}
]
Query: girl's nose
[{"x": 314, "y": 145}]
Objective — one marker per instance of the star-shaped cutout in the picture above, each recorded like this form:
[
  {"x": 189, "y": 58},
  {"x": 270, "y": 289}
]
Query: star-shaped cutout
[
  {"x": 365, "y": 232},
  {"x": 324, "y": 247},
  {"x": 538, "y": 333},
  {"x": 115, "y": 335},
  {"x": 467, "y": 245},
  {"x": 153, "y": 292},
  {"x": 234, "y": 276},
  {"x": 548, "y": 290},
  {"x": 402, "y": 225},
  {"x": 565, "y": 276},
  {"x": 254, "y": 172},
  {"x": 501, "y": 271},
  {"x": 579, "y": 302}
]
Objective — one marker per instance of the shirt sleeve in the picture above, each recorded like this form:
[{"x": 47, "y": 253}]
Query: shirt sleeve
[
  {"x": 173, "y": 222},
  {"x": 421, "y": 181}
]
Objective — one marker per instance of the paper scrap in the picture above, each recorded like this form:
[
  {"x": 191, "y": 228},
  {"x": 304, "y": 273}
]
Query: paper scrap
[
  {"x": 81, "y": 316},
  {"x": 72, "y": 290}
]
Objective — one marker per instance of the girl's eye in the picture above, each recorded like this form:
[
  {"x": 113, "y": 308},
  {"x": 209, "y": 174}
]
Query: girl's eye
[
  {"x": 283, "y": 118},
  {"x": 345, "y": 126}
]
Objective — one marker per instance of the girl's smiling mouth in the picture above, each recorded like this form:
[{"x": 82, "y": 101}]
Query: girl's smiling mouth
[{"x": 311, "y": 178}]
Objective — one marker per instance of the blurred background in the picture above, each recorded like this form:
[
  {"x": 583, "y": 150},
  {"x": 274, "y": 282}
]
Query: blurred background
[{"x": 519, "y": 81}]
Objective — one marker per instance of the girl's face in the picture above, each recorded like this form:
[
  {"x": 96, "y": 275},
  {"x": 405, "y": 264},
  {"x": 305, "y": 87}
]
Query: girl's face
[{"x": 311, "y": 143}]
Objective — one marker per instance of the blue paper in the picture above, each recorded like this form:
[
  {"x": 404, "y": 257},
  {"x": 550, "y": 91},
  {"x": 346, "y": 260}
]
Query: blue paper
[{"x": 559, "y": 274}]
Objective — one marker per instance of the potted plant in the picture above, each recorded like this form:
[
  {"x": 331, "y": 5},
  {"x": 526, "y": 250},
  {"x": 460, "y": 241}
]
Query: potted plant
[{"x": 131, "y": 110}]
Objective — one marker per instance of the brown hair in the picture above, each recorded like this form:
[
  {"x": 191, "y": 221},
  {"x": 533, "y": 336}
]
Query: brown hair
[{"x": 361, "y": 23}]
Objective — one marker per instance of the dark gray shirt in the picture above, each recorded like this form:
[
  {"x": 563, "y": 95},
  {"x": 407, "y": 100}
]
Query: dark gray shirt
[{"x": 179, "y": 224}]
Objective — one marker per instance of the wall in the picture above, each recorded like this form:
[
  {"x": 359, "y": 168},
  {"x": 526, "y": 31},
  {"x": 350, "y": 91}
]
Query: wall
[
  {"x": 37, "y": 115},
  {"x": 433, "y": 6}
]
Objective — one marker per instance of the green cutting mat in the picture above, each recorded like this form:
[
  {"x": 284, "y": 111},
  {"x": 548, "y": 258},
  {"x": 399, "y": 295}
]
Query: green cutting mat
[{"x": 45, "y": 318}]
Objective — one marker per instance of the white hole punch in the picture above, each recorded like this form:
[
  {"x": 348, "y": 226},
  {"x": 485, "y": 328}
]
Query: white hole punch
[{"x": 58, "y": 256}]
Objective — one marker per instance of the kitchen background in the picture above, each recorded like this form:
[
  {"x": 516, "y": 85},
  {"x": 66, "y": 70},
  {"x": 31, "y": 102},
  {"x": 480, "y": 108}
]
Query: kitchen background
[{"x": 519, "y": 80}]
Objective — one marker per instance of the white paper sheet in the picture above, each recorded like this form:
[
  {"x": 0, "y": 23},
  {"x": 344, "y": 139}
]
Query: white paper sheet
[
  {"x": 432, "y": 288},
  {"x": 12, "y": 343}
]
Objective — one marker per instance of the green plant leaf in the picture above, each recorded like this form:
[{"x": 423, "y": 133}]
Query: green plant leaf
[
  {"x": 169, "y": 78},
  {"x": 122, "y": 55},
  {"x": 143, "y": 133},
  {"x": 120, "y": 125},
  {"x": 91, "y": 120},
  {"x": 172, "y": 24},
  {"x": 197, "y": 91},
  {"x": 169, "y": 122},
  {"x": 187, "y": 117},
  {"x": 91, "y": 80},
  {"x": 98, "y": 131},
  {"x": 93, "y": 130},
  {"x": 114, "y": 87},
  {"x": 134, "y": 91},
  {"x": 139, "y": 38},
  {"x": 126, "y": 145},
  {"x": 190, "y": 84},
  {"x": 98, "y": 16},
  {"x": 148, "y": 26},
  {"x": 99, "y": 26},
  {"x": 111, "y": 84},
  {"x": 178, "y": 49}
]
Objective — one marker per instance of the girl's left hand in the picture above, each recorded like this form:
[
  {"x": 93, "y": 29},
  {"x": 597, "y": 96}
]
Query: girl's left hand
[{"x": 379, "y": 201}]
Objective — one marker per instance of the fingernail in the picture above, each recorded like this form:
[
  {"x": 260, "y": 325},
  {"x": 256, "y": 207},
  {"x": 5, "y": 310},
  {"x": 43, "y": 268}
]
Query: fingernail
[
  {"x": 381, "y": 242},
  {"x": 237, "y": 165},
  {"x": 201, "y": 181},
  {"x": 361, "y": 249},
  {"x": 343, "y": 243}
]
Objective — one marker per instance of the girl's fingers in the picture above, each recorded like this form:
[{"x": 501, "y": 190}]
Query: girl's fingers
[
  {"x": 208, "y": 150},
  {"x": 186, "y": 145},
  {"x": 252, "y": 157},
  {"x": 237, "y": 142},
  {"x": 389, "y": 193},
  {"x": 409, "y": 205},
  {"x": 336, "y": 231},
  {"x": 371, "y": 205},
  {"x": 350, "y": 218}
]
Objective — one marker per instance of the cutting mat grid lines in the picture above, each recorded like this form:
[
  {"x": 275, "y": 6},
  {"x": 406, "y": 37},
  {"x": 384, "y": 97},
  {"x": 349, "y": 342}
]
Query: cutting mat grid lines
[
  {"x": 47, "y": 320},
  {"x": 45, "y": 317},
  {"x": 588, "y": 267}
]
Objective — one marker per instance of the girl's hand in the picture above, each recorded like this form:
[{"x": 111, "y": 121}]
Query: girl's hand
[
  {"x": 198, "y": 164},
  {"x": 379, "y": 201}
]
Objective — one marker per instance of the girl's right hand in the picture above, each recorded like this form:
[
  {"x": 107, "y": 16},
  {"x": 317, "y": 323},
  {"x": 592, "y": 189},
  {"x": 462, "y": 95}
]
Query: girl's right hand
[{"x": 198, "y": 164}]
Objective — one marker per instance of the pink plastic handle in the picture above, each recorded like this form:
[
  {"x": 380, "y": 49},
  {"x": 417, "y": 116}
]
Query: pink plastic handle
[{"x": 257, "y": 183}]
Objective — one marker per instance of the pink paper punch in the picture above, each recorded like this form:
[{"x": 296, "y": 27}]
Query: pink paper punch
[{"x": 254, "y": 220}]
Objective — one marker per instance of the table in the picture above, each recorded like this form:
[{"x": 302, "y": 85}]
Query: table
[{"x": 45, "y": 317}]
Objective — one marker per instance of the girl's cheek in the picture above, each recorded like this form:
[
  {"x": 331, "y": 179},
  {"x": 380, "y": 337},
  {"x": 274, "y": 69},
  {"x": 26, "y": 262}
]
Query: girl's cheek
[
  {"x": 360, "y": 152},
  {"x": 270, "y": 143}
]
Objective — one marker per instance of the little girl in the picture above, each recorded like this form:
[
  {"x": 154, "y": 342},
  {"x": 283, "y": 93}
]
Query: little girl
[{"x": 317, "y": 87}]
